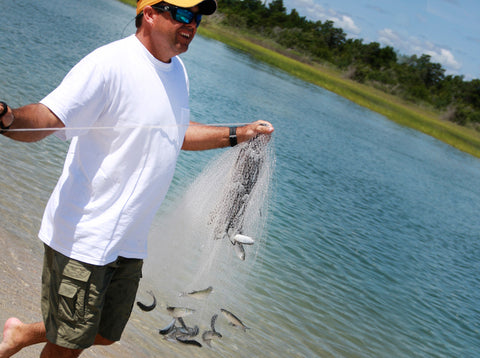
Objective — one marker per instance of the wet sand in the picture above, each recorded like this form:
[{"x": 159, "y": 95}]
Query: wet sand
[{"x": 20, "y": 285}]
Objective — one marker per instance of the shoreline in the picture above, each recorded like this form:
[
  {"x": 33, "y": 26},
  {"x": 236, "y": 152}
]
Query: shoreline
[{"x": 424, "y": 120}]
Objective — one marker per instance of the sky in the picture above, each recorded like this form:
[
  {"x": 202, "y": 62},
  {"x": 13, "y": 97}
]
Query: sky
[{"x": 447, "y": 30}]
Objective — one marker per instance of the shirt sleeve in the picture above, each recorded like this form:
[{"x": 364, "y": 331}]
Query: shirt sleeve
[{"x": 79, "y": 99}]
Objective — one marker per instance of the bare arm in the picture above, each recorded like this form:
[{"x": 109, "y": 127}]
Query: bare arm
[
  {"x": 202, "y": 137},
  {"x": 30, "y": 116}
]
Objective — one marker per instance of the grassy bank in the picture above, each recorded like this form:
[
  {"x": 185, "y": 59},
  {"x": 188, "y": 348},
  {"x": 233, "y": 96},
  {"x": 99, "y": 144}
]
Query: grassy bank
[{"x": 426, "y": 121}]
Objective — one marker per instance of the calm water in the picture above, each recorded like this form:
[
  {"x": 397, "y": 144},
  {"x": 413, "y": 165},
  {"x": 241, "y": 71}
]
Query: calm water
[{"x": 372, "y": 241}]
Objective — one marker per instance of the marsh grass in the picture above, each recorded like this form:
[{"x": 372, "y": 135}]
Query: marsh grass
[{"x": 422, "y": 119}]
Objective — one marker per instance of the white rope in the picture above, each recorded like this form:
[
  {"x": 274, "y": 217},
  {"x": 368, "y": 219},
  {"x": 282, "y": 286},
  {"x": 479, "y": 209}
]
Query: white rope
[{"x": 122, "y": 127}]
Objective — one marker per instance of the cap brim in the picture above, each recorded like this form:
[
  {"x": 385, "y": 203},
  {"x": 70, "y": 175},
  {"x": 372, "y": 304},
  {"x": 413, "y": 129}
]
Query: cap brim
[{"x": 207, "y": 7}]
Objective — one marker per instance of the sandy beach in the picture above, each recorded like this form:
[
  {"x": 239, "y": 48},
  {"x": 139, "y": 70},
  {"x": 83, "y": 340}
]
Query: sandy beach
[{"x": 20, "y": 287}]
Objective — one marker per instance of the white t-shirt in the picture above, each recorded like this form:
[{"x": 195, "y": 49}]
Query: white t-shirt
[{"x": 115, "y": 178}]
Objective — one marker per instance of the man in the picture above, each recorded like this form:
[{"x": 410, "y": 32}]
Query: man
[{"x": 125, "y": 109}]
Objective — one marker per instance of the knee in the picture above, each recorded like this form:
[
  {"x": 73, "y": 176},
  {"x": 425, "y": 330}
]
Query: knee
[
  {"x": 102, "y": 341},
  {"x": 52, "y": 350}
]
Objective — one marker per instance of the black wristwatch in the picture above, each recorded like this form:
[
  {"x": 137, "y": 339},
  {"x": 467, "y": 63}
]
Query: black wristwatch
[{"x": 233, "y": 136}]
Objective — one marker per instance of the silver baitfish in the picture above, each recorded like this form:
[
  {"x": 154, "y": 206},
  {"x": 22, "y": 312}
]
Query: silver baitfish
[
  {"x": 183, "y": 334},
  {"x": 243, "y": 239},
  {"x": 188, "y": 331},
  {"x": 207, "y": 337},
  {"x": 212, "y": 322},
  {"x": 200, "y": 294},
  {"x": 234, "y": 320},
  {"x": 186, "y": 340},
  {"x": 145, "y": 307},
  {"x": 239, "y": 250},
  {"x": 178, "y": 312},
  {"x": 169, "y": 328}
]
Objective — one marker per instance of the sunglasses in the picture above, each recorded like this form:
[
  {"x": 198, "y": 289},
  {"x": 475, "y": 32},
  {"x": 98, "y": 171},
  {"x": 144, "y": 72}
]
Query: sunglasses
[{"x": 179, "y": 14}]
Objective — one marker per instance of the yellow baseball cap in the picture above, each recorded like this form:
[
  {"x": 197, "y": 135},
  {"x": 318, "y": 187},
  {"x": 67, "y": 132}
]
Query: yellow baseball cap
[{"x": 207, "y": 7}]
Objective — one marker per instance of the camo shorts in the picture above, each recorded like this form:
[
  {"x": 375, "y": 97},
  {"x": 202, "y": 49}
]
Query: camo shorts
[{"x": 80, "y": 300}]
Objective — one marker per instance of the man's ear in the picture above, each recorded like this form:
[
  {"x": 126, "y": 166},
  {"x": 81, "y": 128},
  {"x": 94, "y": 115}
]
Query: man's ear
[{"x": 148, "y": 14}]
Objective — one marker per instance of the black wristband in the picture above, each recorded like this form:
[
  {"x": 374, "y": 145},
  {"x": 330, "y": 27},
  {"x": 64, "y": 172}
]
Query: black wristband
[
  {"x": 3, "y": 128},
  {"x": 233, "y": 136}
]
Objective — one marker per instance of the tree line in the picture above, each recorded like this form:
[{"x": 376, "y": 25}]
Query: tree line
[{"x": 414, "y": 78}]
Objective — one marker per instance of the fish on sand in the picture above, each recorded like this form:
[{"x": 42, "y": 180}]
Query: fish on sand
[
  {"x": 200, "y": 294},
  {"x": 189, "y": 341},
  {"x": 183, "y": 334},
  {"x": 145, "y": 307},
  {"x": 207, "y": 336},
  {"x": 234, "y": 320},
  {"x": 168, "y": 328},
  {"x": 177, "y": 312}
]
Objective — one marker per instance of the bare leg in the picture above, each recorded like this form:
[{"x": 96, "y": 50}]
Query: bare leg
[
  {"x": 100, "y": 341},
  {"x": 17, "y": 335},
  {"x": 53, "y": 351}
]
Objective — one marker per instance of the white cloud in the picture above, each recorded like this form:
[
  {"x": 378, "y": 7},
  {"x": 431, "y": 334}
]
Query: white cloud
[
  {"x": 346, "y": 23},
  {"x": 317, "y": 12},
  {"x": 308, "y": 8},
  {"x": 444, "y": 57},
  {"x": 414, "y": 46},
  {"x": 388, "y": 37}
]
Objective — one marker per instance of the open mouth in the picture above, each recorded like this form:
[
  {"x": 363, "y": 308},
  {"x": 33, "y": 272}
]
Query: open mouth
[{"x": 185, "y": 35}]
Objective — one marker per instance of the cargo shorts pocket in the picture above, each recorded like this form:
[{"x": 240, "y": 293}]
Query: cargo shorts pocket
[{"x": 73, "y": 292}]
